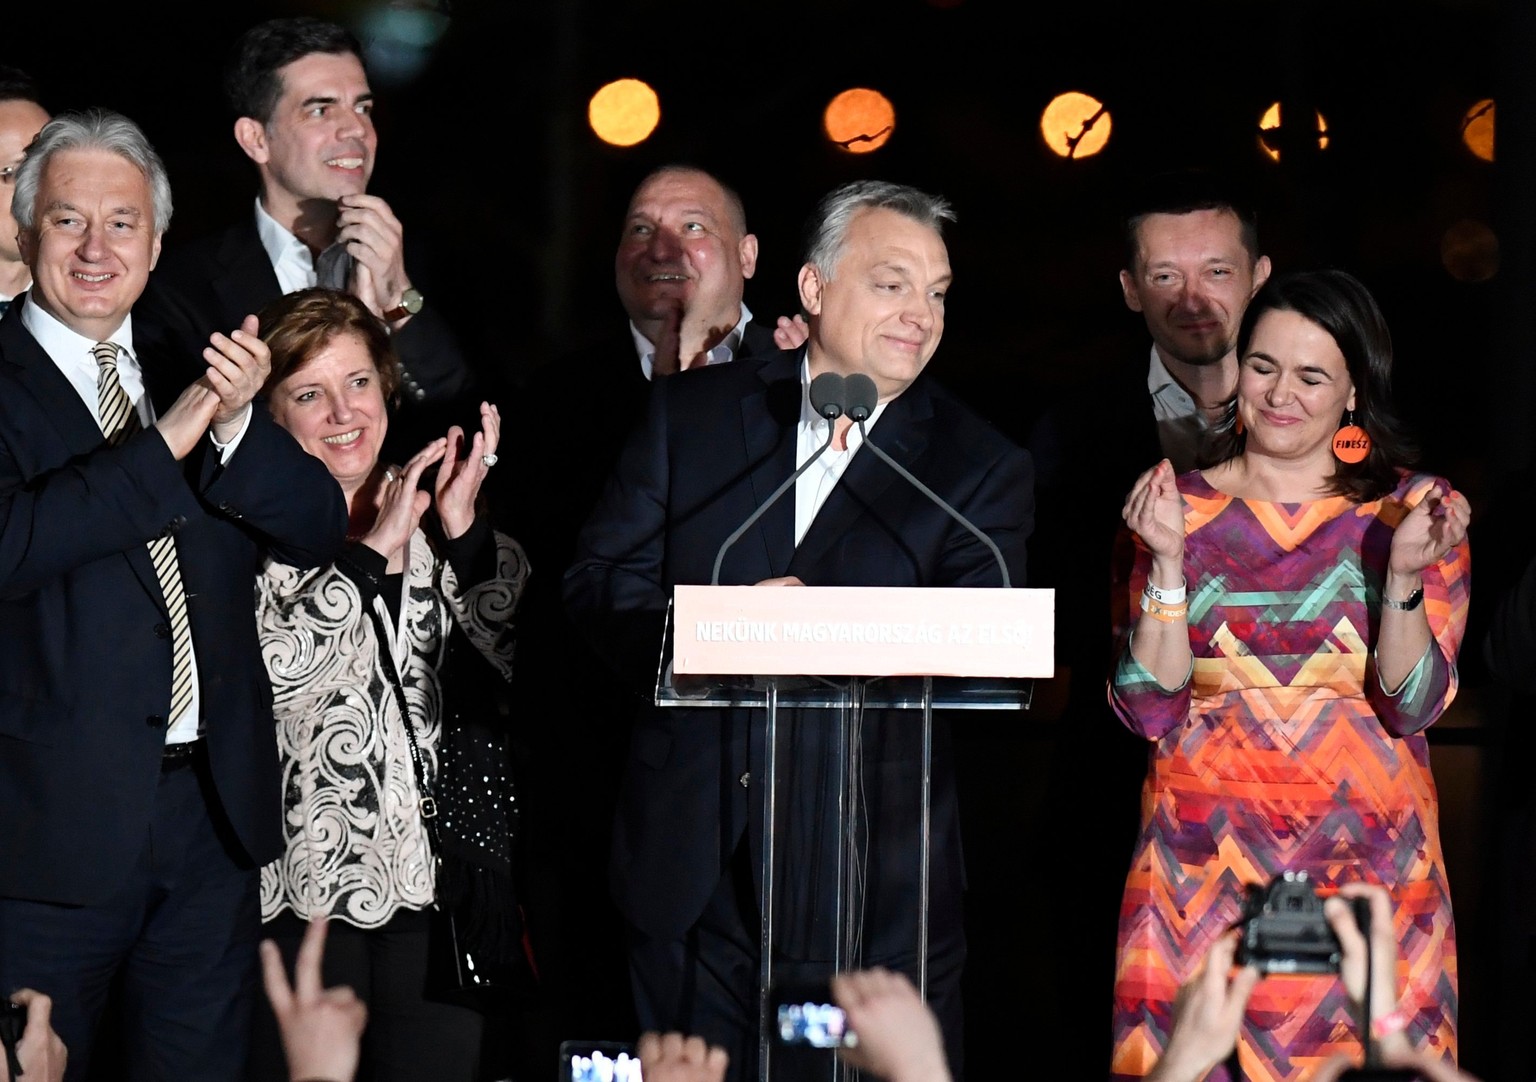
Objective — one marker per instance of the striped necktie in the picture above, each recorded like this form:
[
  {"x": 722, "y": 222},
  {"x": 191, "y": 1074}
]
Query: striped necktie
[{"x": 119, "y": 421}]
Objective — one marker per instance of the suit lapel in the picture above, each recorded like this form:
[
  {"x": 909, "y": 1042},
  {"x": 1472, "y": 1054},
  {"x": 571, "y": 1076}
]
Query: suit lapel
[
  {"x": 770, "y": 419},
  {"x": 56, "y": 397},
  {"x": 903, "y": 433},
  {"x": 246, "y": 281},
  {"x": 60, "y": 403}
]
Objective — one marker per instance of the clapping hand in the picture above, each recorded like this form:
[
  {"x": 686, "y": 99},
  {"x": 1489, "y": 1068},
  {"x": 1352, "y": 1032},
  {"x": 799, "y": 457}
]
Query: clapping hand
[
  {"x": 1155, "y": 512},
  {"x": 459, "y": 479},
  {"x": 401, "y": 503},
  {"x": 1437, "y": 524}
]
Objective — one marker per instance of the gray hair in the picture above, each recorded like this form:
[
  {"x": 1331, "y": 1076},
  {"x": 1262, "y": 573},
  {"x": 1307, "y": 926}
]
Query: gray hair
[
  {"x": 93, "y": 129},
  {"x": 829, "y": 228}
]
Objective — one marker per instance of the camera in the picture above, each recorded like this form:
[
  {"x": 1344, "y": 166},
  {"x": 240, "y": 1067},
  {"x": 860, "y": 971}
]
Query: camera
[
  {"x": 1284, "y": 930},
  {"x": 804, "y": 1016}
]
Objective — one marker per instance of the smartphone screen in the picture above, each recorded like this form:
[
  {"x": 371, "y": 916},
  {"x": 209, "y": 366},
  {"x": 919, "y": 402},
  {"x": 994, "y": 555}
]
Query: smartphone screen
[
  {"x": 598, "y": 1061},
  {"x": 805, "y": 1016}
]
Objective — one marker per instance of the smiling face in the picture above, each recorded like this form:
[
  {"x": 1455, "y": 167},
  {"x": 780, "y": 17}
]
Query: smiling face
[
  {"x": 95, "y": 242},
  {"x": 684, "y": 247},
  {"x": 333, "y": 404},
  {"x": 20, "y": 121},
  {"x": 1193, "y": 279},
  {"x": 320, "y": 141},
  {"x": 882, "y": 310},
  {"x": 1293, "y": 387}
]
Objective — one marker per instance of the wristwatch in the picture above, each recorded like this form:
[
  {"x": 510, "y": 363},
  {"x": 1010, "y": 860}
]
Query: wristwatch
[
  {"x": 410, "y": 303},
  {"x": 1413, "y": 601}
]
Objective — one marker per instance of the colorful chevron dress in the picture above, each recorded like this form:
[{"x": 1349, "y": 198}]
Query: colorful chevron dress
[{"x": 1282, "y": 751}]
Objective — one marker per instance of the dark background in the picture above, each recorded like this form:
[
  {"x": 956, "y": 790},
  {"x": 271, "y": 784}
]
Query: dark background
[{"x": 486, "y": 151}]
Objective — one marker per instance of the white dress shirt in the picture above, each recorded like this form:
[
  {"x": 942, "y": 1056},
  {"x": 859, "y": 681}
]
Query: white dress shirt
[
  {"x": 291, "y": 258},
  {"x": 816, "y": 483},
  {"x": 71, "y": 353},
  {"x": 725, "y": 351}
]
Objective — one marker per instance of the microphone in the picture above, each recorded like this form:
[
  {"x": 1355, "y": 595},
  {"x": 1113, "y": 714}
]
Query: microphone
[
  {"x": 860, "y": 401},
  {"x": 827, "y": 398}
]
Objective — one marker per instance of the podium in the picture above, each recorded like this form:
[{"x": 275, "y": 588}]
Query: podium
[{"x": 844, "y": 650}]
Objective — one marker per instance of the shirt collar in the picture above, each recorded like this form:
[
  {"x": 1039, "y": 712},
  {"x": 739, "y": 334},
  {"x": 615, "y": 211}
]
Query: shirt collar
[
  {"x": 66, "y": 345},
  {"x": 1158, "y": 376},
  {"x": 815, "y": 422},
  {"x": 724, "y": 351},
  {"x": 279, "y": 242}
]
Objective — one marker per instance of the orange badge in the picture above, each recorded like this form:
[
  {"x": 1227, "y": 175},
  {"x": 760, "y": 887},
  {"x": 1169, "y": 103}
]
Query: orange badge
[{"x": 1351, "y": 444}]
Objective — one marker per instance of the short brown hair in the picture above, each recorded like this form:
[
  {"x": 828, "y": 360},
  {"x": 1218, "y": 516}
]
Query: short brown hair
[{"x": 299, "y": 325}]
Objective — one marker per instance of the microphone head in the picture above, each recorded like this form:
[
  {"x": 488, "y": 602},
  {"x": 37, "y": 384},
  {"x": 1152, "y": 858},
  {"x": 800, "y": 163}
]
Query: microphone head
[
  {"x": 827, "y": 395},
  {"x": 860, "y": 396}
]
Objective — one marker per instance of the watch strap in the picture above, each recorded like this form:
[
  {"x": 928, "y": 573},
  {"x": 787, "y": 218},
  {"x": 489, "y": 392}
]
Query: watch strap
[{"x": 1413, "y": 601}]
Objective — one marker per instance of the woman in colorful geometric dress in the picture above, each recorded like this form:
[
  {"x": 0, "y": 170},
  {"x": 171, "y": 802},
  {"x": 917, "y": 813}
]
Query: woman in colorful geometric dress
[{"x": 1297, "y": 610}]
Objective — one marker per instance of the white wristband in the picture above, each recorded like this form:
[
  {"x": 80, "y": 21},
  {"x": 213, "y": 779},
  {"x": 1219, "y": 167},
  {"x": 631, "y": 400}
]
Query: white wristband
[{"x": 1175, "y": 596}]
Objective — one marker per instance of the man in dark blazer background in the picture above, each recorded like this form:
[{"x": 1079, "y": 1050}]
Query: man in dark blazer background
[
  {"x": 138, "y": 766},
  {"x": 303, "y": 114},
  {"x": 712, "y": 446}
]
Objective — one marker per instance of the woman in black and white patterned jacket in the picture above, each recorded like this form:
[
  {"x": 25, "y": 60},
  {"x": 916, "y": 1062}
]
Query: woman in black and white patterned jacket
[{"x": 350, "y": 649}]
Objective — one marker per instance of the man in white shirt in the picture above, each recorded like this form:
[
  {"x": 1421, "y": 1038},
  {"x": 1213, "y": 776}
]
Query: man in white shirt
[
  {"x": 21, "y": 117},
  {"x": 683, "y": 259},
  {"x": 139, "y": 495},
  {"x": 303, "y": 111}
]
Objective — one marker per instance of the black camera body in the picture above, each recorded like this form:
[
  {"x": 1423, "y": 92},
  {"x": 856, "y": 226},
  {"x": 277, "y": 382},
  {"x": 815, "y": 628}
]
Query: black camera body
[
  {"x": 13, "y": 1023},
  {"x": 1284, "y": 930}
]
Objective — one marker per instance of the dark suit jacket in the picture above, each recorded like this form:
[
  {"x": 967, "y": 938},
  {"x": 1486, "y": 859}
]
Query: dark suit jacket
[
  {"x": 712, "y": 446},
  {"x": 564, "y": 428},
  {"x": 212, "y": 283},
  {"x": 85, "y": 651}
]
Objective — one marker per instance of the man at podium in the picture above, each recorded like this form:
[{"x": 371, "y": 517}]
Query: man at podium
[{"x": 713, "y": 447}]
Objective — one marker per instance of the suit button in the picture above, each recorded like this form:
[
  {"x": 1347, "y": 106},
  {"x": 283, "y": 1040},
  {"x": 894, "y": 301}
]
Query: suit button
[
  {"x": 155, "y": 721},
  {"x": 162, "y": 632},
  {"x": 745, "y": 781}
]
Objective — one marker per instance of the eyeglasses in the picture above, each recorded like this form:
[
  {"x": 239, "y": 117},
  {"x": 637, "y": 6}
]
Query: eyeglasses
[{"x": 8, "y": 174}]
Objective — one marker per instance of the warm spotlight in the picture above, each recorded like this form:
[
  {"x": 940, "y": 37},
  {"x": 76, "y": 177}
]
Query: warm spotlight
[
  {"x": 1470, "y": 251},
  {"x": 1075, "y": 125},
  {"x": 859, "y": 120},
  {"x": 1269, "y": 132},
  {"x": 624, "y": 112},
  {"x": 1477, "y": 129}
]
